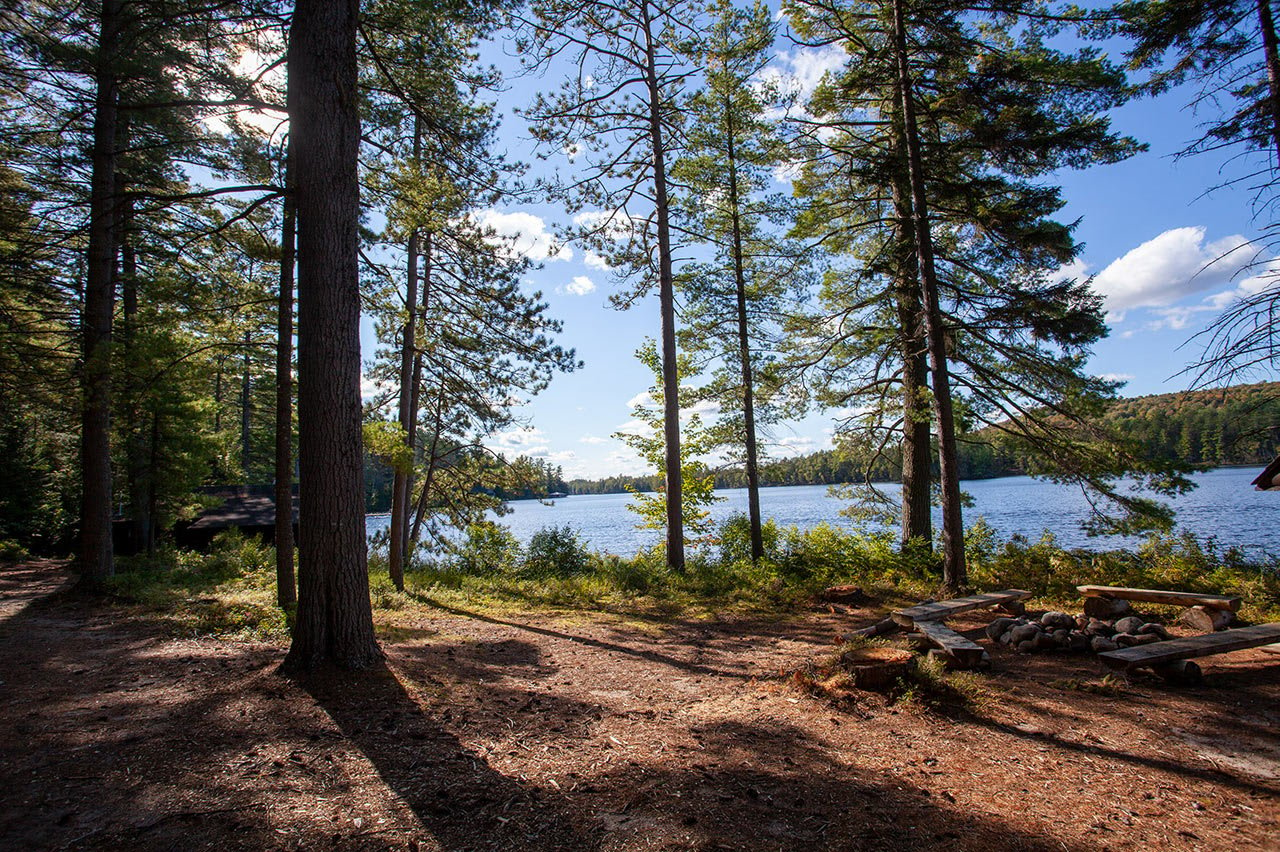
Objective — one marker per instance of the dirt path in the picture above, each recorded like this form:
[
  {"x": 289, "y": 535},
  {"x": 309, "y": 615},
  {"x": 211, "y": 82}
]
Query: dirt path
[{"x": 530, "y": 733}]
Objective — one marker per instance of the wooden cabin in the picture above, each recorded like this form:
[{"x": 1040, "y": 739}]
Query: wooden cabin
[{"x": 248, "y": 508}]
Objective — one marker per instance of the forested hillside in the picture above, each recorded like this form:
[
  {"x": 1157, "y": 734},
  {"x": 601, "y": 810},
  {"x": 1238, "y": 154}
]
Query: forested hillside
[{"x": 1238, "y": 425}]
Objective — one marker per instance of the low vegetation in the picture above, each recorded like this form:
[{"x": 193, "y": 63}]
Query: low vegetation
[{"x": 229, "y": 591}]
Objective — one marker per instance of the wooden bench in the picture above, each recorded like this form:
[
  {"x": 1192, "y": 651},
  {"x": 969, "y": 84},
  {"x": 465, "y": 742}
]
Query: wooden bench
[
  {"x": 1162, "y": 653},
  {"x": 911, "y": 616},
  {"x": 1160, "y": 596},
  {"x": 965, "y": 653}
]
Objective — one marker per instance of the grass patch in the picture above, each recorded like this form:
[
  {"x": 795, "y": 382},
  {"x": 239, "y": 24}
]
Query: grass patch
[
  {"x": 229, "y": 592},
  {"x": 930, "y": 687}
]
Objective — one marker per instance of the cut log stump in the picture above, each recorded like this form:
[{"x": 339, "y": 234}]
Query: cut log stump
[
  {"x": 1203, "y": 619},
  {"x": 876, "y": 666}
]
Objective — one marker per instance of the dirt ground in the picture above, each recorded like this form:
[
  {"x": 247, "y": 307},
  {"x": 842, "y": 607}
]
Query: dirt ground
[{"x": 534, "y": 733}]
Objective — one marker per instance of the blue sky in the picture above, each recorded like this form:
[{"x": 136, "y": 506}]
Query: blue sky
[{"x": 1150, "y": 234}]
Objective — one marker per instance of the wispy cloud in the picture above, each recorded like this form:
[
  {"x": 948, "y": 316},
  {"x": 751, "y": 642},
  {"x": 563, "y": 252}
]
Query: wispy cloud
[
  {"x": 581, "y": 285},
  {"x": 527, "y": 234}
]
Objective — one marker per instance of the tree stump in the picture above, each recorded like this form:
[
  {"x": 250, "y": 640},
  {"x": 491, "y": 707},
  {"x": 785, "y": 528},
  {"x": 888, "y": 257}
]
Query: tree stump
[
  {"x": 876, "y": 666},
  {"x": 1204, "y": 619}
]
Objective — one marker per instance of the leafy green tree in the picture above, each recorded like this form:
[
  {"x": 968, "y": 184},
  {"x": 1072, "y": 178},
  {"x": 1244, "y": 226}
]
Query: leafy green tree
[
  {"x": 618, "y": 115},
  {"x": 697, "y": 481},
  {"x": 945, "y": 115},
  {"x": 733, "y": 303}
]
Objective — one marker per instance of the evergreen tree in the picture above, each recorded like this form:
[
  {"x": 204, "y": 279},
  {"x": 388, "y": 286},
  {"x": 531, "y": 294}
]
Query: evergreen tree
[
  {"x": 734, "y": 302},
  {"x": 619, "y": 114}
]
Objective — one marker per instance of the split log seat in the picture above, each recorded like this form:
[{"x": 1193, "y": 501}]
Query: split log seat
[
  {"x": 964, "y": 653},
  {"x": 911, "y": 616},
  {"x": 1162, "y": 653},
  {"x": 1160, "y": 596}
]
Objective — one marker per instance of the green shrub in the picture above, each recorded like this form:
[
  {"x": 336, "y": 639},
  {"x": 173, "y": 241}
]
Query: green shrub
[
  {"x": 12, "y": 551},
  {"x": 489, "y": 549},
  {"x": 735, "y": 539},
  {"x": 556, "y": 552}
]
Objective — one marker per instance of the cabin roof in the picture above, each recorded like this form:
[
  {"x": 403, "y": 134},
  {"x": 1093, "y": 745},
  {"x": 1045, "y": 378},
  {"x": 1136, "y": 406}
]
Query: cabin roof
[
  {"x": 1267, "y": 480},
  {"x": 241, "y": 506}
]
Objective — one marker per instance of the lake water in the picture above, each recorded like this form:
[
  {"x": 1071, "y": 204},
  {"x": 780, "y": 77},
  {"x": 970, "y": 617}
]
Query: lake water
[{"x": 1223, "y": 505}]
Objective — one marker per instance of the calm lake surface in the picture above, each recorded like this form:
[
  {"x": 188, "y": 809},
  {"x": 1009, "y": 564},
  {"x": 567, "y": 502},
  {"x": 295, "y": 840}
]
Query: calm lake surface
[{"x": 1223, "y": 505}]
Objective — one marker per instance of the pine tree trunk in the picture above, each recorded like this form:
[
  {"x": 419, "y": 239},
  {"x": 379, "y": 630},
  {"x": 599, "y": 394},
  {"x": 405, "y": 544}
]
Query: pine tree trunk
[
  {"x": 917, "y": 451},
  {"x": 400, "y": 480},
  {"x": 334, "y": 624},
  {"x": 1272, "y": 53},
  {"x": 744, "y": 348},
  {"x": 666, "y": 303},
  {"x": 246, "y": 414},
  {"x": 96, "y": 562},
  {"x": 415, "y": 404},
  {"x": 954, "y": 573},
  {"x": 135, "y": 440},
  {"x": 286, "y": 589}
]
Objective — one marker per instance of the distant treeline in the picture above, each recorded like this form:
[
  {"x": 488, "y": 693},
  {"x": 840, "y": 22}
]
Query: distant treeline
[{"x": 1238, "y": 425}]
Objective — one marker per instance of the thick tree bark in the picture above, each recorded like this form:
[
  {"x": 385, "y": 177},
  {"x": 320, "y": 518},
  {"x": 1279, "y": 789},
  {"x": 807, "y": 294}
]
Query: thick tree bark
[
  {"x": 667, "y": 307},
  {"x": 954, "y": 573},
  {"x": 1271, "y": 51},
  {"x": 744, "y": 347},
  {"x": 397, "y": 552},
  {"x": 136, "y": 461},
  {"x": 334, "y": 624},
  {"x": 286, "y": 584},
  {"x": 246, "y": 411},
  {"x": 917, "y": 451},
  {"x": 96, "y": 562}
]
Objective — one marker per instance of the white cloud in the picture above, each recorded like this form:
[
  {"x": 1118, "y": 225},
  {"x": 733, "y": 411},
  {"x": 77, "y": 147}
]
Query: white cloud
[
  {"x": 522, "y": 440},
  {"x": 527, "y": 233},
  {"x": 581, "y": 285},
  {"x": 794, "y": 446},
  {"x": 644, "y": 398},
  {"x": 1168, "y": 268},
  {"x": 799, "y": 72},
  {"x": 595, "y": 261},
  {"x": 592, "y": 439},
  {"x": 635, "y": 426},
  {"x": 1117, "y": 377}
]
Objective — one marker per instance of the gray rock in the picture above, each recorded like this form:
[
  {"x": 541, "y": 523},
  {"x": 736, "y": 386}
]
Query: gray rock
[
  {"x": 1027, "y": 647},
  {"x": 1025, "y": 632},
  {"x": 1153, "y": 629},
  {"x": 1099, "y": 628},
  {"x": 1082, "y": 622},
  {"x": 1131, "y": 624},
  {"x": 1060, "y": 637},
  {"x": 1078, "y": 641},
  {"x": 1057, "y": 620},
  {"x": 1000, "y": 626},
  {"x": 1105, "y": 607},
  {"x": 1101, "y": 644}
]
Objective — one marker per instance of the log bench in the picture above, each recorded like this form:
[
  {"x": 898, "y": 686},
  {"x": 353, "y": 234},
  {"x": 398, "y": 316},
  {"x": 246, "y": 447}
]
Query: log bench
[
  {"x": 1159, "y": 654},
  {"x": 960, "y": 651},
  {"x": 1205, "y": 612},
  {"x": 942, "y": 610}
]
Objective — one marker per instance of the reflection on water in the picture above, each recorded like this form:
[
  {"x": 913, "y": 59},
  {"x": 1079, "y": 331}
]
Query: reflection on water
[{"x": 1223, "y": 505}]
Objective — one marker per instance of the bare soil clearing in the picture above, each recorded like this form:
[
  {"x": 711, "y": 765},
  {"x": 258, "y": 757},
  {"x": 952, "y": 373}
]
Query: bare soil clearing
[{"x": 541, "y": 733}]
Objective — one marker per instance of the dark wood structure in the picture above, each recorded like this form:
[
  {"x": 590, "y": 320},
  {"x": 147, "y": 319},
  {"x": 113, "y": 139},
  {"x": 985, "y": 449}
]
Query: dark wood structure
[
  {"x": 1269, "y": 479},
  {"x": 248, "y": 508}
]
